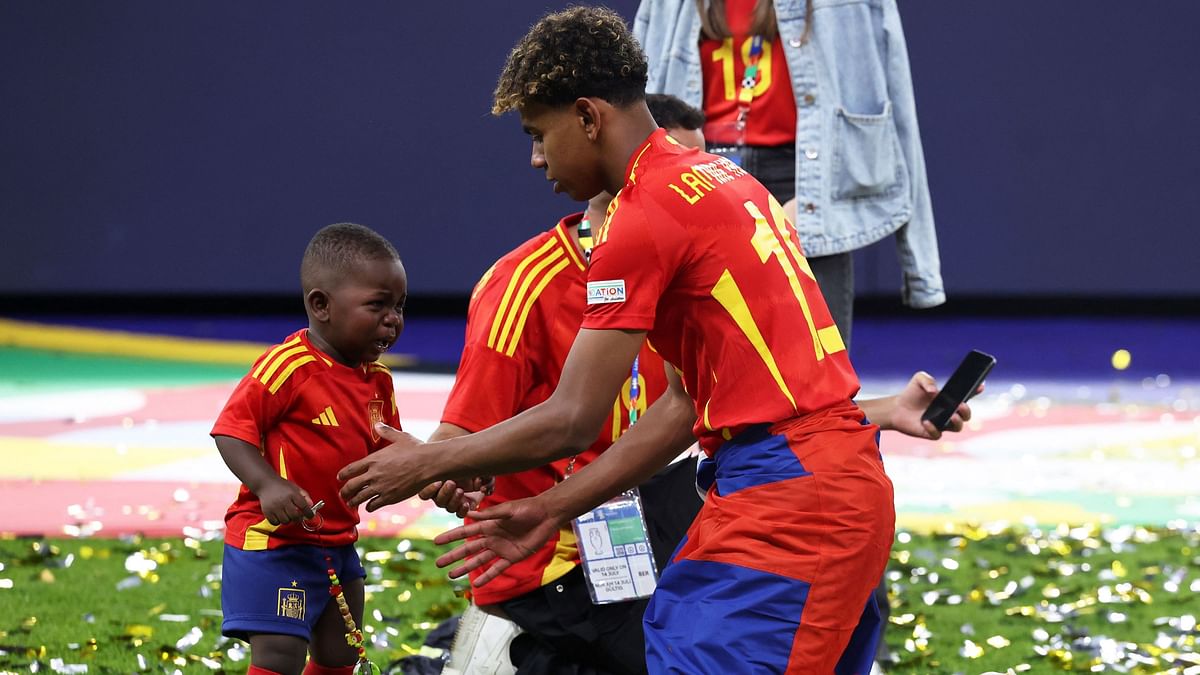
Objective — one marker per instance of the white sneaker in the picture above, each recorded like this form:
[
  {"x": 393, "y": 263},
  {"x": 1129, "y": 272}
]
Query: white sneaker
[{"x": 480, "y": 645}]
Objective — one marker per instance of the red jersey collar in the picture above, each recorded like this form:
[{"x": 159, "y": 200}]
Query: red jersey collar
[
  {"x": 658, "y": 138},
  {"x": 562, "y": 231},
  {"x": 329, "y": 360}
]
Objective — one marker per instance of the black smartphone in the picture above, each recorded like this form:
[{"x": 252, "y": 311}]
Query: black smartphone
[{"x": 961, "y": 387}]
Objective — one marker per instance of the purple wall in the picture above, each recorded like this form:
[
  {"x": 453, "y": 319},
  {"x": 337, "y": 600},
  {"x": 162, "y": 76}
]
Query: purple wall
[{"x": 192, "y": 148}]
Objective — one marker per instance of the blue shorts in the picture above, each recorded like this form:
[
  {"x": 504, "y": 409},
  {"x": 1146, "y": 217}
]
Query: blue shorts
[{"x": 281, "y": 591}]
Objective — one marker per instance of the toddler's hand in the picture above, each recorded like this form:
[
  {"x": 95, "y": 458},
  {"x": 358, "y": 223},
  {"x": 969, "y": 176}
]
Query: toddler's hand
[{"x": 284, "y": 502}]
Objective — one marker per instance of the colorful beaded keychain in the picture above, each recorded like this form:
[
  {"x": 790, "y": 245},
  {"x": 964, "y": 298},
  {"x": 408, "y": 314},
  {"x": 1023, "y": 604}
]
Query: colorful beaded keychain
[{"x": 354, "y": 636}]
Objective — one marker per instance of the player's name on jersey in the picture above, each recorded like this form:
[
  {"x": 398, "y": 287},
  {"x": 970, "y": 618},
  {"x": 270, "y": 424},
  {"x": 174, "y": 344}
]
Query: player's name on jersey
[{"x": 702, "y": 179}]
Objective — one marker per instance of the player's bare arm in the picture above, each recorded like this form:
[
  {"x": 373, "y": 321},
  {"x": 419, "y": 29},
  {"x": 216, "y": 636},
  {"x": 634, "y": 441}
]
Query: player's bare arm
[
  {"x": 563, "y": 425},
  {"x": 448, "y": 494},
  {"x": 902, "y": 412},
  {"x": 509, "y": 532}
]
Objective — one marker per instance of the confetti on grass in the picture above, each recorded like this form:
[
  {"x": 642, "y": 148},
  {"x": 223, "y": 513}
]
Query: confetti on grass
[
  {"x": 1063, "y": 599},
  {"x": 153, "y": 605},
  {"x": 969, "y": 599}
]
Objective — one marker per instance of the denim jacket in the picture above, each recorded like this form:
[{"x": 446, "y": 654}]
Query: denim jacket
[{"x": 860, "y": 169}]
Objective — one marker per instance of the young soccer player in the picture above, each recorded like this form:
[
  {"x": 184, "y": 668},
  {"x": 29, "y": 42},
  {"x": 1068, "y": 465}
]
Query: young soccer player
[
  {"x": 307, "y": 407},
  {"x": 523, "y": 316}
]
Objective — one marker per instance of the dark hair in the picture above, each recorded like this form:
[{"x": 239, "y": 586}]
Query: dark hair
[
  {"x": 580, "y": 51},
  {"x": 672, "y": 113},
  {"x": 335, "y": 249},
  {"x": 715, "y": 26}
]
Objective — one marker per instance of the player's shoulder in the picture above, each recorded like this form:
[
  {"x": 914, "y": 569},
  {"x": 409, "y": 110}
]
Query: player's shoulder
[
  {"x": 539, "y": 260},
  {"x": 675, "y": 177},
  {"x": 288, "y": 363},
  {"x": 524, "y": 286},
  {"x": 552, "y": 247}
]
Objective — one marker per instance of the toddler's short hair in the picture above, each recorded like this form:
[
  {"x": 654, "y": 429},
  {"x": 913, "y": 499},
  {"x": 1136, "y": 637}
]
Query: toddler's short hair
[{"x": 335, "y": 249}]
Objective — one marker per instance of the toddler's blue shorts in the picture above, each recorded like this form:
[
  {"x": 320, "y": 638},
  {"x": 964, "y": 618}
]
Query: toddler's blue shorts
[{"x": 281, "y": 591}]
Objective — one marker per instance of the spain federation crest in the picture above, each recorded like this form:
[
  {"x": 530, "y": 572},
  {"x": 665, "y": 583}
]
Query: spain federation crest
[
  {"x": 291, "y": 603},
  {"x": 374, "y": 416}
]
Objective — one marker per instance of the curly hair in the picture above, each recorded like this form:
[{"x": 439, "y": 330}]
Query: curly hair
[
  {"x": 580, "y": 51},
  {"x": 336, "y": 249}
]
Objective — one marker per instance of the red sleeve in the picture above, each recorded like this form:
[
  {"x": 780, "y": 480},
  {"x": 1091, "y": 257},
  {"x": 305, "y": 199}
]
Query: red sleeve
[
  {"x": 490, "y": 386},
  {"x": 631, "y": 268},
  {"x": 250, "y": 411}
]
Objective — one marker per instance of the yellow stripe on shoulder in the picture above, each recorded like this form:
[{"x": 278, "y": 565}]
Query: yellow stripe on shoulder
[
  {"x": 637, "y": 160},
  {"x": 287, "y": 371},
  {"x": 569, "y": 245},
  {"x": 536, "y": 278},
  {"x": 273, "y": 353},
  {"x": 483, "y": 280},
  {"x": 513, "y": 283},
  {"x": 533, "y": 297},
  {"x": 377, "y": 366},
  {"x": 281, "y": 360},
  {"x": 602, "y": 233}
]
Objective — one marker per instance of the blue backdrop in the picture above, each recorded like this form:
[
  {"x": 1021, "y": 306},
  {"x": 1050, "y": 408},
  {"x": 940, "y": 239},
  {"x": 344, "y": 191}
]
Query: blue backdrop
[{"x": 192, "y": 148}]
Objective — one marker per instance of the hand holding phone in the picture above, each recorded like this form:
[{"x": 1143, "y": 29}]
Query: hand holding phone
[{"x": 959, "y": 388}]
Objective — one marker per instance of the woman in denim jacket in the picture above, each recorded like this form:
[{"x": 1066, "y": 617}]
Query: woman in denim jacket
[{"x": 856, "y": 171}]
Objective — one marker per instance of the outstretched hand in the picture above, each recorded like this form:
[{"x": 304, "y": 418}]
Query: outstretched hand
[
  {"x": 911, "y": 403},
  {"x": 386, "y": 476},
  {"x": 502, "y": 535}
]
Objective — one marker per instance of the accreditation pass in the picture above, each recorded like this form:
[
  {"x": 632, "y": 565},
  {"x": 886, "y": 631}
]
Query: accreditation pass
[{"x": 614, "y": 547}]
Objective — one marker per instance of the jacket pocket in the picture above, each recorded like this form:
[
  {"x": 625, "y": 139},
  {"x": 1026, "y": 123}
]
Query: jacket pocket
[{"x": 865, "y": 153}]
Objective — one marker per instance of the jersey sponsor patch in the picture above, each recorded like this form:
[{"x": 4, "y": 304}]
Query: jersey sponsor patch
[{"x": 605, "y": 292}]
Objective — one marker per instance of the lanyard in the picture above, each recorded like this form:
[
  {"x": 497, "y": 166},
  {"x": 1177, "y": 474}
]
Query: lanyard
[
  {"x": 749, "y": 82},
  {"x": 585, "y": 237},
  {"x": 612, "y": 539}
]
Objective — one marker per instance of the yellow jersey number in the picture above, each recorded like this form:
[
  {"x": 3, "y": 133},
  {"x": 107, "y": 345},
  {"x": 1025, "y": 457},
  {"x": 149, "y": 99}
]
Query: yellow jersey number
[
  {"x": 772, "y": 239},
  {"x": 724, "y": 55}
]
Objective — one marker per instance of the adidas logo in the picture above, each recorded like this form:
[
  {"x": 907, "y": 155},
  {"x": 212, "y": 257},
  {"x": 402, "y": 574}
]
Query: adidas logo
[{"x": 326, "y": 418}]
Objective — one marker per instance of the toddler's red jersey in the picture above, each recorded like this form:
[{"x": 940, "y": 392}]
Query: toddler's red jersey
[
  {"x": 697, "y": 252},
  {"x": 310, "y": 416},
  {"x": 523, "y": 317}
]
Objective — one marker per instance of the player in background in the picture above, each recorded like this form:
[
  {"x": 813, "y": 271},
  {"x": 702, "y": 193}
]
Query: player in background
[{"x": 523, "y": 316}]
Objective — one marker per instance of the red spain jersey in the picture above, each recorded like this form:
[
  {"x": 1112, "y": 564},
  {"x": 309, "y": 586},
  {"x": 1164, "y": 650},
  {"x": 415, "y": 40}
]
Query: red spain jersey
[
  {"x": 697, "y": 252},
  {"x": 310, "y": 416},
  {"x": 772, "y": 116},
  {"x": 523, "y": 317}
]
